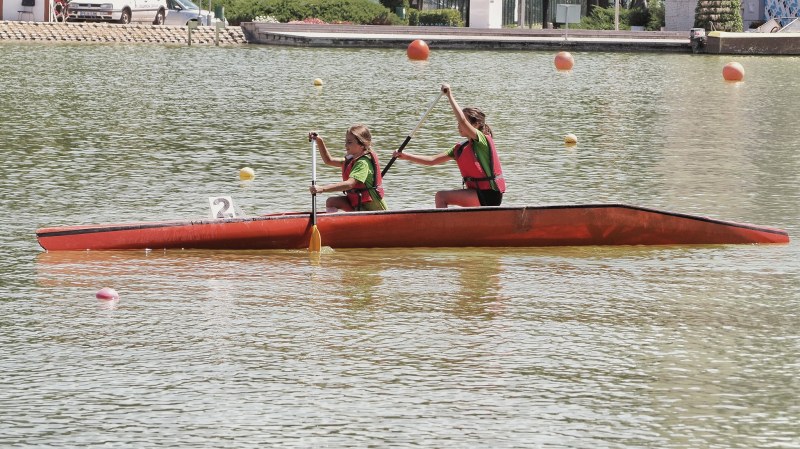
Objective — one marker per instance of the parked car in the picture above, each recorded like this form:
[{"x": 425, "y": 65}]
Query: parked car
[
  {"x": 120, "y": 11},
  {"x": 181, "y": 12}
]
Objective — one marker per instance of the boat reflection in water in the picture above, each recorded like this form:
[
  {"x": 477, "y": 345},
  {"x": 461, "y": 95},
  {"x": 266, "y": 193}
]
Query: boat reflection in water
[{"x": 464, "y": 282}]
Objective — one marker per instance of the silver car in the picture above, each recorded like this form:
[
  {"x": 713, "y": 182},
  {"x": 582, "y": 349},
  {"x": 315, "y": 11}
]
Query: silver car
[{"x": 181, "y": 12}]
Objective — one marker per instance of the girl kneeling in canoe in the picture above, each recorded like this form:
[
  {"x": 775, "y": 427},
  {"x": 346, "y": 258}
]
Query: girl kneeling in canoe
[
  {"x": 476, "y": 158},
  {"x": 361, "y": 173}
]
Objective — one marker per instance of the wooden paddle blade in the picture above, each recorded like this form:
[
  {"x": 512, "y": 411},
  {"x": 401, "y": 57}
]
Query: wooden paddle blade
[{"x": 315, "y": 244}]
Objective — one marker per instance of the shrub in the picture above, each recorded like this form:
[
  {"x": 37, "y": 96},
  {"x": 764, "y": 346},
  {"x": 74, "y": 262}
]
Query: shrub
[
  {"x": 603, "y": 19},
  {"x": 435, "y": 17},
  {"x": 651, "y": 18},
  {"x": 638, "y": 17},
  {"x": 387, "y": 18},
  {"x": 364, "y": 12},
  {"x": 657, "y": 19},
  {"x": 413, "y": 17},
  {"x": 392, "y": 5}
]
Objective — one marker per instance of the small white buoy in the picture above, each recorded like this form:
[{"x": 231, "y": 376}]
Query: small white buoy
[
  {"x": 247, "y": 174},
  {"x": 570, "y": 139},
  {"x": 317, "y": 82},
  {"x": 107, "y": 294}
]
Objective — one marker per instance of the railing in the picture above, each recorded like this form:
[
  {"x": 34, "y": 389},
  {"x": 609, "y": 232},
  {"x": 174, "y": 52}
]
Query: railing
[
  {"x": 59, "y": 11},
  {"x": 792, "y": 24}
]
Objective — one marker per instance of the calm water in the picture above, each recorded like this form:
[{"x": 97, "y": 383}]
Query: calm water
[{"x": 666, "y": 347}]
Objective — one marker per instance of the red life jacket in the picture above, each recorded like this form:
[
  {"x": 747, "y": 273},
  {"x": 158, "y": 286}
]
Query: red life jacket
[
  {"x": 475, "y": 177},
  {"x": 360, "y": 193}
]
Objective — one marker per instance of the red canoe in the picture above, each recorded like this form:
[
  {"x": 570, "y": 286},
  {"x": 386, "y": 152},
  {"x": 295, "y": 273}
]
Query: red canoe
[{"x": 575, "y": 225}]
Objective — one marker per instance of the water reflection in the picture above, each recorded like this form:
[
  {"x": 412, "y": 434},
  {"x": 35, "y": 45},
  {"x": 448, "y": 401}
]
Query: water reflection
[
  {"x": 470, "y": 278},
  {"x": 480, "y": 294}
]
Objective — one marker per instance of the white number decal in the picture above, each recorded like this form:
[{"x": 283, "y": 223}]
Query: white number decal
[{"x": 221, "y": 207}]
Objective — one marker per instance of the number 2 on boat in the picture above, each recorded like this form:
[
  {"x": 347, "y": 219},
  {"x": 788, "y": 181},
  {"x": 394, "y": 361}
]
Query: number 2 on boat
[{"x": 221, "y": 207}]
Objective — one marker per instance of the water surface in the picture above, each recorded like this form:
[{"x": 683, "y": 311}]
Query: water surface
[{"x": 629, "y": 347}]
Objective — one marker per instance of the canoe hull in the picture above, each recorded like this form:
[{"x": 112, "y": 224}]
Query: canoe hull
[{"x": 579, "y": 225}]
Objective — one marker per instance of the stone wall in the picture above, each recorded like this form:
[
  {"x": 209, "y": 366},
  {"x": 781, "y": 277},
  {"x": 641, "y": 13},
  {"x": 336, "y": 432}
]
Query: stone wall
[{"x": 109, "y": 32}]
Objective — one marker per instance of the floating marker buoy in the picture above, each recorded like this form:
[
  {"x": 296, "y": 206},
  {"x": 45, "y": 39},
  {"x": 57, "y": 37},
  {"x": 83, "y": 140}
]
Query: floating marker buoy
[
  {"x": 107, "y": 294},
  {"x": 564, "y": 61},
  {"x": 317, "y": 82},
  {"x": 246, "y": 174},
  {"x": 733, "y": 71},
  {"x": 418, "y": 50},
  {"x": 570, "y": 139}
]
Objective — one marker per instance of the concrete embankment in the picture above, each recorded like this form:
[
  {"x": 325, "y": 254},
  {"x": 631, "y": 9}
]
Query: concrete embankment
[
  {"x": 115, "y": 33},
  {"x": 361, "y": 36},
  {"x": 455, "y": 38}
]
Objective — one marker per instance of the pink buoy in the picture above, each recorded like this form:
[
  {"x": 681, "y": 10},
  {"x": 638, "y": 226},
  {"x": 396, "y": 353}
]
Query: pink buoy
[
  {"x": 107, "y": 294},
  {"x": 733, "y": 71}
]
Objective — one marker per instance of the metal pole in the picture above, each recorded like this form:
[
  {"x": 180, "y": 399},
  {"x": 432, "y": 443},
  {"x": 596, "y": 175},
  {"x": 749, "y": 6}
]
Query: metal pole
[{"x": 616, "y": 15}]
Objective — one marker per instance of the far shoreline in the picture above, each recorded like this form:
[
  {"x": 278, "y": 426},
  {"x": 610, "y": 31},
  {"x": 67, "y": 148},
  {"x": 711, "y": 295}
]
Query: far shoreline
[{"x": 384, "y": 36}]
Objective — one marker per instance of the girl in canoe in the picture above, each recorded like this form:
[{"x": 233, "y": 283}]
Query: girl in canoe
[
  {"x": 361, "y": 173},
  {"x": 476, "y": 158}
]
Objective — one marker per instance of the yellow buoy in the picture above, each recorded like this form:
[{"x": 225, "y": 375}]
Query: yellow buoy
[
  {"x": 246, "y": 174},
  {"x": 317, "y": 82},
  {"x": 570, "y": 139}
]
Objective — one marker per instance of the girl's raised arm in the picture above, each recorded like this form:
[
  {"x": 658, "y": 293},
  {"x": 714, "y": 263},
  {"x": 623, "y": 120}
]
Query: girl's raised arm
[
  {"x": 471, "y": 132},
  {"x": 323, "y": 151}
]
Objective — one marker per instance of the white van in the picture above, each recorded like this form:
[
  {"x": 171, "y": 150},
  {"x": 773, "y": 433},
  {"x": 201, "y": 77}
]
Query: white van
[{"x": 120, "y": 11}]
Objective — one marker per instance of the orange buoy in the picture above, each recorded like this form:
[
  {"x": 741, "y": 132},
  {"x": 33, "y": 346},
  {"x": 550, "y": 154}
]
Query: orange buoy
[
  {"x": 564, "y": 61},
  {"x": 733, "y": 71},
  {"x": 418, "y": 50}
]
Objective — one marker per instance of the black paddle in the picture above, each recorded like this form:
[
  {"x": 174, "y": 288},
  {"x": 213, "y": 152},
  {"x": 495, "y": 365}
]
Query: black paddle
[{"x": 411, "y": 134}]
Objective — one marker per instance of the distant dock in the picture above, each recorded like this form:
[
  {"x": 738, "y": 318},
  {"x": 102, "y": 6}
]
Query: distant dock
[
  {"x": 753, "y": 43},
  {"x": 452, "y": 38}
]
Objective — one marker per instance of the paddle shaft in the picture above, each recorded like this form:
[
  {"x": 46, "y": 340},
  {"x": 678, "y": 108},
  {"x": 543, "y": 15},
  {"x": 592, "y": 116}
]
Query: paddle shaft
[
  {"x": 411, "y": 134},
  {"x": 313, "y": 181}
]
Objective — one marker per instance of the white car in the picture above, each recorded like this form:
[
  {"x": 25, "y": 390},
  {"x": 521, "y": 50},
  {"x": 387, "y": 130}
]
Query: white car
[
  {"x": 120, "y": 11},
  {"x": 181, "y": 12}
]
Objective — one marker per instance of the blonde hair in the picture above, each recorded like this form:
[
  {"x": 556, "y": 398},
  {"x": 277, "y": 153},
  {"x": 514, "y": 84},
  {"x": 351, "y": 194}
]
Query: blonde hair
[{"x": 362, "y": 135}]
